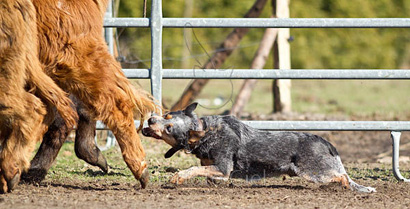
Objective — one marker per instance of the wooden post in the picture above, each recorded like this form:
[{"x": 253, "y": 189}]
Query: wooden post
[
  {"x": 258, "y": 62},
  {"x": 187, "y": 42},
  {"x": 281, "y": 87}
]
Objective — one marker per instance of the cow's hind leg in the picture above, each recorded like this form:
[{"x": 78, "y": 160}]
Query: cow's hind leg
[
  {"x": 85, "y": 146},
  {"x": 50, "y": 146},
  {"x": 53, "y": 140}
]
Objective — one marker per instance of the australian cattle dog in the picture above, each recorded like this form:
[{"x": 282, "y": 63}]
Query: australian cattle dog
[{"x": 229, "y": 148}]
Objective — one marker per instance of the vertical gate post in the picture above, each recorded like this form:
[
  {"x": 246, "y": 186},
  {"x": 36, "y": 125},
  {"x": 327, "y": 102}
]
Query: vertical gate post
[
  {"x": 156, "y": 50},
  {"x": 281, "y": 87},
  {"x": 396, "y": 149},
  {"x": 109, "y": 34}
]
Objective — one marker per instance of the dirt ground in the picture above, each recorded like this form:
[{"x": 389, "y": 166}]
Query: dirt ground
[{"x": 367, "y": 157}]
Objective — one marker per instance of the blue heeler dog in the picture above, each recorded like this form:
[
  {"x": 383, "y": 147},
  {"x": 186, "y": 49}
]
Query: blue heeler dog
[{"x": 230, "y": 149}]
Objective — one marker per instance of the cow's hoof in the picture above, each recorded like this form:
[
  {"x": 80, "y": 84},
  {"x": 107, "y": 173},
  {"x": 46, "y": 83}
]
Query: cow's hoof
[{"x": 144, "y": 178}]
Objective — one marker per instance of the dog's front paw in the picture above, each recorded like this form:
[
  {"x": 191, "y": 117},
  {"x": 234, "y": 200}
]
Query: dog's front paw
[
  {"x": 178, "y": 178},
  {"x": 182, "y": 176}
]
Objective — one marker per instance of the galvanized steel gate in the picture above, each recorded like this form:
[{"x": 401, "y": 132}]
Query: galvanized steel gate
[{"x": 156, "y": 73}]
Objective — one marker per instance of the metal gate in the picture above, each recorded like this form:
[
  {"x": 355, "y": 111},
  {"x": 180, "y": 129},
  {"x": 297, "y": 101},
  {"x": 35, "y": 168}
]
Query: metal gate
[{"x": 156, "y": 73}]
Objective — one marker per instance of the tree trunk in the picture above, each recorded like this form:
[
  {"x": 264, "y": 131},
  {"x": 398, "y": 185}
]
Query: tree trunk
[
  {"x": 281, "y": 87},
  {"x": 258, "y": 62},
  {"x": 224, "y": 50}
]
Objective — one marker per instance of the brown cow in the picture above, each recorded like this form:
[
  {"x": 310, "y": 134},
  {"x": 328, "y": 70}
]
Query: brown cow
[
  {"x": 23, "y": 89},
  {"x": 75, "y": 55}
]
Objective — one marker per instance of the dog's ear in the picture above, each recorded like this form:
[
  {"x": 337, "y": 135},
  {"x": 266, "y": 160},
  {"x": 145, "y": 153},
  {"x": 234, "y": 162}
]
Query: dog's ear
[
  {"x": 195, "y": 136},
  {"x": 190, "y": 109}
]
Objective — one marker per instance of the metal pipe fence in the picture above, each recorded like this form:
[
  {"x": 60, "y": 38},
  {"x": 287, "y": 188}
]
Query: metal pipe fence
[
  {"x": 156, "y": 73},
  {"x": 319, "y": 125},
  {"x": 258, "y": 22},
  {"x": 271, "y": 74}
]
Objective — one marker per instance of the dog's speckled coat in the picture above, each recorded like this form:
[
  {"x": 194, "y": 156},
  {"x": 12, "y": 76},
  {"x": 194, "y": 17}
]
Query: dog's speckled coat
[{"x": 229, "y": 148}]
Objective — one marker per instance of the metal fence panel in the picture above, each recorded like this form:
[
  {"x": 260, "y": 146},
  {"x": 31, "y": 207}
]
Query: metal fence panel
[{"x": 156, "y": 73}]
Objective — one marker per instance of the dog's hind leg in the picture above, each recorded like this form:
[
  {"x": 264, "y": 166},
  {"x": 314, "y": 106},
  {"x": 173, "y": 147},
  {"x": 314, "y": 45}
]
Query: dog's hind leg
[
  {"x": 347, "y": 183},
  {"x": 338, "y": 176},
  {"x": 357, "y": 187}
]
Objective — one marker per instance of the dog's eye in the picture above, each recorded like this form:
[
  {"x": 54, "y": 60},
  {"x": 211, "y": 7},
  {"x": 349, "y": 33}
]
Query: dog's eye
[{"x": 168, "y": 129}]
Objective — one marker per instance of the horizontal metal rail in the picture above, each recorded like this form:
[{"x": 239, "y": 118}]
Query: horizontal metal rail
[
  {"x": 272, "y": 74},
  {"x": 320, "y": 125},
  {"x": 263, "y": 22},
  {"x": 127, "y": 22},
  {"x": 331, "y": 125}
]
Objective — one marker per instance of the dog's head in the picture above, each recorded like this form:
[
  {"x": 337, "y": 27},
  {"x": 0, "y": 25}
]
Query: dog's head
[{"x": 180, "y": 129}]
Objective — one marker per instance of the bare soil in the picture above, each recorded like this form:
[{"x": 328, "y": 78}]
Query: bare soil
[{"x": 367, "y": 157}]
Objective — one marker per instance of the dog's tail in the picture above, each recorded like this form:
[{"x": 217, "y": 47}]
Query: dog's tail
[{"x": 47, "y": 90}]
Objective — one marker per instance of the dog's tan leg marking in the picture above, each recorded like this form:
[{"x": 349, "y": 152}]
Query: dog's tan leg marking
[
  {"x": 205, "y": 171},
  {"x": 342, "y": 180}
]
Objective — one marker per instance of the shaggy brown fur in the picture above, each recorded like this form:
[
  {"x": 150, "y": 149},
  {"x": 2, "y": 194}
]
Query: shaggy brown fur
[
  {"x": 23, "y": 89},
  {"x": 75, "y": 55}
]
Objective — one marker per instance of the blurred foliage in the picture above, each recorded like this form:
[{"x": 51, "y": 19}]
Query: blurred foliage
[{"x": 311, "y": 48}]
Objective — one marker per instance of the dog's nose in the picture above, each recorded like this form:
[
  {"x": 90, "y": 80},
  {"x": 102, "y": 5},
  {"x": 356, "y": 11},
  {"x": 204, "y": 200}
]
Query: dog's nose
[{"x": 152, "y": 120}]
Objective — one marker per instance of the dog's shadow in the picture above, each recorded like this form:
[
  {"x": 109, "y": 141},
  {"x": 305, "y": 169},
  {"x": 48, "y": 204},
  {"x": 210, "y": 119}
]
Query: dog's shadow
[{"x": 292, "y": 187}]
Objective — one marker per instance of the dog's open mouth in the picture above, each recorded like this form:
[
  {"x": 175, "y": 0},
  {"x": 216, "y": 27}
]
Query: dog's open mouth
[{"x": 150, "y": 133}]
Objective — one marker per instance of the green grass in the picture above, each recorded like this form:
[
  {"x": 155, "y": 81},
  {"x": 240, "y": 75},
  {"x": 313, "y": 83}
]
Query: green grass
[
  {"x": 381, "y": 172},
  {"x": 68, "y": 166}
]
